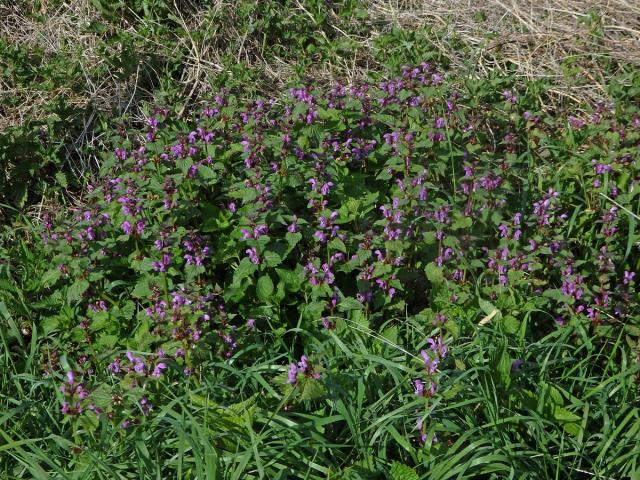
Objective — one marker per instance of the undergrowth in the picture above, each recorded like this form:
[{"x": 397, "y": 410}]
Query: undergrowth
[{"x": 422, "y": 277}]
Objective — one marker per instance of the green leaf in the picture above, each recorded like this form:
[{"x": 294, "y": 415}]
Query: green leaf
[
  {"x": 400, "y": 471},
  {"x": 264, "y": 288},
  {"x": 349, "y": 303},
  {"x": 141, "y": 289},
  {"x": 488, "y": 308},
  {"x": 61, "y": 178},
  {"x": 51, "y": 277},
  {"x": 511, "y": 324},
  {"x": 245, "y": 268},
  {"x": 337, "y": 244},
  {"x": 272, "y": 259},
  {"x": 292, "y": 239},
  {"x": 74, "y": 294},
  {"x": 501, "y": 366},
  {"x": 292, "y": 280},
  {"x": 434, "y": 273},
  {"x": 207, "y": 173},
  {"x": 311, "y": 389}
]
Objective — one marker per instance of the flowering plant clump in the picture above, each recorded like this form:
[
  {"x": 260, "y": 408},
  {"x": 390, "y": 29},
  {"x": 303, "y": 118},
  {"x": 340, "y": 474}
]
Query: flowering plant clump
[{"x": 418, "y": 199}]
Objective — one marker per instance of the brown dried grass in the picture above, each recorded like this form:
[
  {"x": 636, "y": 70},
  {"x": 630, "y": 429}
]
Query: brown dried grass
[
  {"x": 531, "y": 38},
  {"x": 63, "y": 33}
]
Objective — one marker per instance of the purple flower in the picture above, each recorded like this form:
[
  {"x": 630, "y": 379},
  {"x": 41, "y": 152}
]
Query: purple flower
[
  {"x": 121, "y": 153},
  {"x": 321, "y": 236},
  {"x": 430, "y": 365},
  {"x": 292, "y": 377},
  {"x": 628, "y": 277},
  {"x": 138, "y": 366},
  {"x": 437, "y": 346},
  {"x": 157, "y": 371},
  {"x": 509, "y": 97},
  {"x": 293, "y": 227},
  {"x": 126, "y": 227},
  {"x": 114, "y": 366},
  {"x": 253, "y": 255}
]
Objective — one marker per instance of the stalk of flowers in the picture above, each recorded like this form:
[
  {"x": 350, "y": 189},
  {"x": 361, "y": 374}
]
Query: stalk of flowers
[
  {"x": 75, "y": 397},
  {"x": 304, "y": 367},
  {"x": 427, "y": 388}
]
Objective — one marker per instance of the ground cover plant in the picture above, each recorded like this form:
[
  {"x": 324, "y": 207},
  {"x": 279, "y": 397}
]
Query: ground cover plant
[
  {"x": 420, "y": 274},
  {"x": 310, "y": 271}
]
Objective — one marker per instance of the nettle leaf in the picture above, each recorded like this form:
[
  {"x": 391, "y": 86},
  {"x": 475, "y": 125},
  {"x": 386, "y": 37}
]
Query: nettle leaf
[
  {"x": 489, "y": 308},
  {"x": 127, "y": 310},
  {"x": 337, "y": 244},
  {"x": 311, "y": 389},
  {"x": 501, "y": 366},
  {"x": 434, "y": 273},
  {"x": 292, "y": 240},
  {"x": 400, "y": 471},
  {"x": 313, "y": 311},
  {"x": 207, "y": 173},
  {"x": 292, "y": 279},
  {"x": 144, "y": 265},
  {"x": 348, "y": 303},
  {"x": 51, "y": 277},
  {"x": 245, "y": 268},
  {"x": 511, "y": 324},
  {"x": 271, "y": 258},
  {"x": 75, "y": 291},
  {"x": 264, "y": 288},
  {"x": 142, "y": 289},
  {"x": 106, "y": 341},
  {"x": 102, "y": 396}
]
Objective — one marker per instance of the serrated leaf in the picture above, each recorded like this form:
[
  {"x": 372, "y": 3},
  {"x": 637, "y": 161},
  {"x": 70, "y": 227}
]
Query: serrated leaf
[
  {"x": 337, "y": 244},
  {"x": 264, "y": 288},
  {"x": 141, "y": 289},
  {"x": 511, "y": 324},
  {"x": 400, "y": 471},
  {"x": 51, "y": 277},
  {"x": 272, "y": 259},
  {"x": 245, "y": 268},
  {"x": 74, "y": 294},
  {"x": 311, "y": 389},
  {"x": 434, "y": 273},
  {"x": 489, "y": 309},
  {"x": 348, "y": 304}
]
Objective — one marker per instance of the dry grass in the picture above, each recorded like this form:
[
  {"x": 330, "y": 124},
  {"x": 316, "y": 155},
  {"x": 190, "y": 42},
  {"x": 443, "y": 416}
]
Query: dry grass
[
  {"x": 537, "y": 38},
  {"x": 63, "y": 33}
]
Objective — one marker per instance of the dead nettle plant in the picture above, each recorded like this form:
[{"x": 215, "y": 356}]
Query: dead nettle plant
[{"x": 417, "y": 198}]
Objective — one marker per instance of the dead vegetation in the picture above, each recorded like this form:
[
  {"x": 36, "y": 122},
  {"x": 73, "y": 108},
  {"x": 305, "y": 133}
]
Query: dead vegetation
[{"x": 577, "y": 45}]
